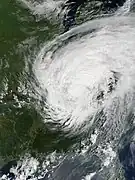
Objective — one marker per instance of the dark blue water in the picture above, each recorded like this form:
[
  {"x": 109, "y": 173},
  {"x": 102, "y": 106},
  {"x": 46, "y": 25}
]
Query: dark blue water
[{"x": 24, "y": 137}]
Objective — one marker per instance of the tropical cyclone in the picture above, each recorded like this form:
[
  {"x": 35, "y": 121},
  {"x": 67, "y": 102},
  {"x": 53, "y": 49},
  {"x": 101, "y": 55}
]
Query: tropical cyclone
[{"x": 88, "y": 74}]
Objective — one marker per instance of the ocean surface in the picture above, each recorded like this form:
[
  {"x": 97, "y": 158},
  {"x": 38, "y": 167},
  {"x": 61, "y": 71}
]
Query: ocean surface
[{"x": 67, "y": 100}]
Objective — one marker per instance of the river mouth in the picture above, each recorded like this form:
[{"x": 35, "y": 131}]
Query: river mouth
[{"x": 76, "y": 114}]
